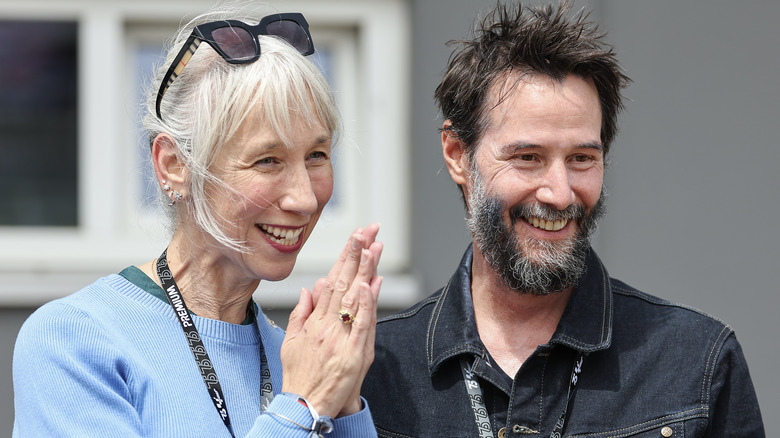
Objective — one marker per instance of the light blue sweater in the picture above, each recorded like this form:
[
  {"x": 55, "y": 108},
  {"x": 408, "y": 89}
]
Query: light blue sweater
[{"x": 111, "y": 361}]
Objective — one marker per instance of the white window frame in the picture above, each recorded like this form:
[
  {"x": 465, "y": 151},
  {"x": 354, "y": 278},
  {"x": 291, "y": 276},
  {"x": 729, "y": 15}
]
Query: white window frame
[{"x": 38, "y": 264}]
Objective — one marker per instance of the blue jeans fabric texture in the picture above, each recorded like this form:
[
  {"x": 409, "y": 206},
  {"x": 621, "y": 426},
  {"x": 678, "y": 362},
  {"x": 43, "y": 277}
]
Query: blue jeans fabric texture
[{"x": 652, "y": 369}]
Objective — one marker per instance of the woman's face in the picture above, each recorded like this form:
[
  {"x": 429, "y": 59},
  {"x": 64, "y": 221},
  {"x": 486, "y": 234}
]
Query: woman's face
[{"x": 282, "y": 193}]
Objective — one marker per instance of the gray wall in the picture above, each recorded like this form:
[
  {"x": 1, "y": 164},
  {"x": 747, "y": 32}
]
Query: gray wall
[
  {"x": 10, "y": 321},
  {"x": 694, "y": 189}
]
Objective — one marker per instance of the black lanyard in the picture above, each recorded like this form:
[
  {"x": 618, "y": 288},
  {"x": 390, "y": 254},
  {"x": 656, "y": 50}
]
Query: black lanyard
[
  {"x": 202, "y": 359},
  {"x": 477, "y": 401}
]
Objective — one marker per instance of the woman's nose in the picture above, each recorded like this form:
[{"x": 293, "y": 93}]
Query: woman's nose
[{"x": 299, "y": 196}]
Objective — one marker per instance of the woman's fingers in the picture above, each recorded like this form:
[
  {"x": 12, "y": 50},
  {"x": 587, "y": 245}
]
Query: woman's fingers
[
  {"x": 351, "y": 300},
  {"x": 293, "y": 338},
  {"x": 333, "y": 344},
  {"x": 300, "y": 313},
  {"x": 361, "y": 343},
  {"x": 363, "y": 329},
  {"x": 376, "y": 252},
  {"x": 319, "y": 349},
  {"x": 346, "y": 291},
  {"x": 319, "y": 285},
  {"x": 324, "y": 289},
  {"x": 370, "y": 233},
  {"x": 367, "y": 270},
  {"x": 365, "y": 319},
  {"x": 342, "y": 274},
  {"x": 345, "y": 272}
]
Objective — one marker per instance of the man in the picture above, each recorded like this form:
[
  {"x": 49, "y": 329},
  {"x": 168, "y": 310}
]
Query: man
[{"x": 531, "y": 337}]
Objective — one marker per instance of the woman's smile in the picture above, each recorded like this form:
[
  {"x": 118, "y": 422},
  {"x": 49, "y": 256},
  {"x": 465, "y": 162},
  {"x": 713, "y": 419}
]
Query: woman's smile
[{"x": 290, "y": 238}]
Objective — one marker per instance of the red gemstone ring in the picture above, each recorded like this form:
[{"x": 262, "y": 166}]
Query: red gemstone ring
[{"x": 346, "y": 317}]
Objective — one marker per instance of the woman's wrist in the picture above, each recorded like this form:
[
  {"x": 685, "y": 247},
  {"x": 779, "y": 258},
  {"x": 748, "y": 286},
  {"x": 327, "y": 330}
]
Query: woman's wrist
[
  {"x": 351, "y": 408},
  {"x": 321, "y": 423}
]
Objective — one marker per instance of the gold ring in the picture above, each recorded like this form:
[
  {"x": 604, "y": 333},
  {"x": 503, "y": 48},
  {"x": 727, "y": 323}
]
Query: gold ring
[{"x": 346, "y": 317}]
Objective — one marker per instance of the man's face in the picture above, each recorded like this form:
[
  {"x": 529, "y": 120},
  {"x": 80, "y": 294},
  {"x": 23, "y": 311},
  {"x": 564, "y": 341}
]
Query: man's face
[{"x": 535, "y": 183}]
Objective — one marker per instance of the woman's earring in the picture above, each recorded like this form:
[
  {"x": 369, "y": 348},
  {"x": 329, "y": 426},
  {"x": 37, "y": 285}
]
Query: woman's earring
[
  {"x": 166, "y": 187},
  {"x": 175, "y": 196}
]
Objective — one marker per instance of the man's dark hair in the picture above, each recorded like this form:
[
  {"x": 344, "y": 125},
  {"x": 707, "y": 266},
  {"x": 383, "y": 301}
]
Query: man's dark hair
[{"x": 545, "y": 40}]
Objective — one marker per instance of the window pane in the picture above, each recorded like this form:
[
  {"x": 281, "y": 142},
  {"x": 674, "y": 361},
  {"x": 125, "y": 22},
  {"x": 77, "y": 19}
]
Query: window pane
[
  {"x": 38, "y": 119},
  {"x": 323, "y": 59},
  {"x": 147, "y": 56}
]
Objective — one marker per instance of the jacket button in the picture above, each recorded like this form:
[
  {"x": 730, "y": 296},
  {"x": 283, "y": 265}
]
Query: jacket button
[
  {"x": 502, "y": 432},
  {"x": 666, "y": 432}
]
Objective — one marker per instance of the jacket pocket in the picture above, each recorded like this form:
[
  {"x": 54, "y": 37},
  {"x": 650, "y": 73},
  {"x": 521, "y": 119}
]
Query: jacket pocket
[{"x": 674, "y": 427}]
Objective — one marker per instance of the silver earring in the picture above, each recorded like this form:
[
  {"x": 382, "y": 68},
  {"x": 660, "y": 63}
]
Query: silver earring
[
  {"x": 175, "y": 196},
  {"x": 166, "y": 187}
]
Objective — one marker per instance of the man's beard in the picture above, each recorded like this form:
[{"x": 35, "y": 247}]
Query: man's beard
[{"x": 532, "y": 266}]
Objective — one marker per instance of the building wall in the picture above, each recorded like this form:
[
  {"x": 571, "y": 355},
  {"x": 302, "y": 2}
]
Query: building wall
[{"x": 692, "y": 180}]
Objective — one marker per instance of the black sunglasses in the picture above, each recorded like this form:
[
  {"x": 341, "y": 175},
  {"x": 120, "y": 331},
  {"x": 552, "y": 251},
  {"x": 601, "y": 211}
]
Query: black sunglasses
[{"x": 237, "y": 42}]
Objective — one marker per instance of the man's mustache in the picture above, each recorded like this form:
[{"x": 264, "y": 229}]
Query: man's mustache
[{"x": 572, "y": 212}]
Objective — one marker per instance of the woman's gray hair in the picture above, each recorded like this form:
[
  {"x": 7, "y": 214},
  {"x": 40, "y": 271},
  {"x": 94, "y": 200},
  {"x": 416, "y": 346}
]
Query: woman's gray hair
[{"x": 206, "y": 104}]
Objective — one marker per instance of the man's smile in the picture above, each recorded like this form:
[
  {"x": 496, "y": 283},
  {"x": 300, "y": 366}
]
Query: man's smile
[{"x": 548, "y": 225}]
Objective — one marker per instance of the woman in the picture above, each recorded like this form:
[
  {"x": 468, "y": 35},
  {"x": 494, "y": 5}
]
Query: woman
[{"x": 241, "y": 142}]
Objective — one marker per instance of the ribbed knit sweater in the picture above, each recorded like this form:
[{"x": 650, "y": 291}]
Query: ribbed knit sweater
[{"x": 111, "y": 360}]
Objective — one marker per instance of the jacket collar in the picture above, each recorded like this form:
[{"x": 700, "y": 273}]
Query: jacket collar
[{"x": 586, "y": 323}]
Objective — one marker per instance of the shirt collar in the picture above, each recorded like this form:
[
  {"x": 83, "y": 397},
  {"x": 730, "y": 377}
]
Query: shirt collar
[
  {"x": 139, "y": 278},
  {"x": 586, "y": 323}
]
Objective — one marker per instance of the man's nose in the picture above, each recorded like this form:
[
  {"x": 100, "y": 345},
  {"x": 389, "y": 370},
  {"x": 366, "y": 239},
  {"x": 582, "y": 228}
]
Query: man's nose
[{"x": 555, "y": 188}]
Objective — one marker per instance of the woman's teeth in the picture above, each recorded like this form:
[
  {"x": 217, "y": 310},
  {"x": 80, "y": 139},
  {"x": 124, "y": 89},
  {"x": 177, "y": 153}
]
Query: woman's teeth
[
  {"x": 282, "y": 236},
  {"x": 547, "y": 225}
]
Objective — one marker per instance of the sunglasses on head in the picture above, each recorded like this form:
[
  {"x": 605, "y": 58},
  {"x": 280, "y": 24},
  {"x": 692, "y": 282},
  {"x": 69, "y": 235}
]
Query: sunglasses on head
[{"x": 237, "y": 42}]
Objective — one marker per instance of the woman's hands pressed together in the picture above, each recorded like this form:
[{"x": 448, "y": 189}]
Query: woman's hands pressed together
[{"x": 324, "y": 357}]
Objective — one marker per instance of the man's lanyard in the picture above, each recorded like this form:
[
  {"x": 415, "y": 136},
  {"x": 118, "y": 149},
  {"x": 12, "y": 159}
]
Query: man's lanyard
[
  {"x": 477, "y": 401},
  {"x": 202, "y": 359}
]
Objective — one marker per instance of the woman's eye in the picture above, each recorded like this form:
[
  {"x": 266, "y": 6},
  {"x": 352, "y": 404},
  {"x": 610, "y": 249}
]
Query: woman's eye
[
  {"x": 318, "y": 155},
  {"x": 265, "y": 161}
]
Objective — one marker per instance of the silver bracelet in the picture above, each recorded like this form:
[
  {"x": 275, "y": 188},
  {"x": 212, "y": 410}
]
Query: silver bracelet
[
  {"x": 322, "y": 423},
  {"x": 295, "y": 423}
]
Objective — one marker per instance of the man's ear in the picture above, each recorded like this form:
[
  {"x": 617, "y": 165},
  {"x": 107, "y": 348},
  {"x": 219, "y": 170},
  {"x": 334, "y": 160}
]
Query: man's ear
[
  {"x": 455, "y": 156},
  {"x": 167, "y": 164}
]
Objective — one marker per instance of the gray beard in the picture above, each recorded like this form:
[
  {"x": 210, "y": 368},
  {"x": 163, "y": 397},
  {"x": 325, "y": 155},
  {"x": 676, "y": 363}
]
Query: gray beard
[{"x": 531, "y": 266}]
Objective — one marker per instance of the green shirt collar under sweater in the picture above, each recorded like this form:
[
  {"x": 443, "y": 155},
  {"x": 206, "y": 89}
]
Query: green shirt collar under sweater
[{"x": 140, "y": 279}]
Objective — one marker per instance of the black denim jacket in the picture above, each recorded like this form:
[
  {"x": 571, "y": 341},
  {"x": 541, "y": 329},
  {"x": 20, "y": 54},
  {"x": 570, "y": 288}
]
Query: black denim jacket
[{"x": 652, "y": 369}]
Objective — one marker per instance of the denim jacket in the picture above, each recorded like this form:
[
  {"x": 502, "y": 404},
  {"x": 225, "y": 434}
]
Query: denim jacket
[{"x": 651, "y": 369}]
